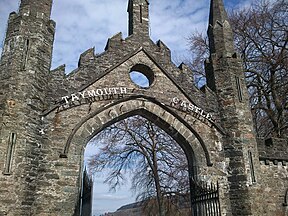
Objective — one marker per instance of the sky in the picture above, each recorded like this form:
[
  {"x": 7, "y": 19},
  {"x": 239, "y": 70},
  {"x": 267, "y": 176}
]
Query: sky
[
  {"x": 83, "y": 24},
  {"x": 105, "y": 200}
]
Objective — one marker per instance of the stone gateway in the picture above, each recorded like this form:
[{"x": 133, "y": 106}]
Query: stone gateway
[{"x": 48, "y": 117}]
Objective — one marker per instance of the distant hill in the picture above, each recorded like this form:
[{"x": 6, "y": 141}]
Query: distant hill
[{"x": 177, "y": 207}]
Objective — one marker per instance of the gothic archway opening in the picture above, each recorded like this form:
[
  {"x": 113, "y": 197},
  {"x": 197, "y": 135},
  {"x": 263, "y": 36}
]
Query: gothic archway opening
[
  {"x": 204, "y": 196},
  {"x": 137, "y": 152}
]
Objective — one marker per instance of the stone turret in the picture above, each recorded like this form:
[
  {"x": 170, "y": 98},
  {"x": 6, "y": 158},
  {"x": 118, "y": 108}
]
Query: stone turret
[
  {"x": 24, "y": 68},
  {"x": 29, "y": 33},
  {"x": 219, "y": 30},
  {"x": 225, "y": 76},
  {"x": 138, "y": 11},
  {"x": 35, "y": 7},
  {"x": 220, "y": 38}
]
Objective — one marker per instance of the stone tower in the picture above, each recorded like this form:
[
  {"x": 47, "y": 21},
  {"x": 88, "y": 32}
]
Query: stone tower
[
  {"x": 225, "y": 77},
  {"x": 25, "y": 65}
]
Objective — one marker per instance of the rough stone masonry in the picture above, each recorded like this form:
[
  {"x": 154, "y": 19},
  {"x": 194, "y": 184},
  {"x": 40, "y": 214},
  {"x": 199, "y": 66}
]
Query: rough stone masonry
[{"x": 47, "y": 117}]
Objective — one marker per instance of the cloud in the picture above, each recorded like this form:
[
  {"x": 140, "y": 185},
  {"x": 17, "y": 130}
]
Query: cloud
[
  {"x": 89, "y": 23},
  {"x": 109, "y": 197},
  {"x": 84, "y": 25},
  {"x": 81, "y": 26}
]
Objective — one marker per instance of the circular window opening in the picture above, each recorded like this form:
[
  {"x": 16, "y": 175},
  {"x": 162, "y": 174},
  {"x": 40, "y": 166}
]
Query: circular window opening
[{"x": 141, "y": 75}]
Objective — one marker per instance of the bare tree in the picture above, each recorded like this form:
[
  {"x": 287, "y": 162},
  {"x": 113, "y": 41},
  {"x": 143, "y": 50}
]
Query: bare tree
[
  {"x": 157, "y": 164},
  {"x": 199, "y": 47},
  {"x": 261, "y": 37}
]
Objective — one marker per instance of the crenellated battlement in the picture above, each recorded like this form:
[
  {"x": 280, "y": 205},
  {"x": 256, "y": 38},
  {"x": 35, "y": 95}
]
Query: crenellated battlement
[
  {"x": 115, "y": 42},
  {"x": 164, "y": 50},
  {"x": 273, "y": 150},
  {"x": 87, "y": 57}
]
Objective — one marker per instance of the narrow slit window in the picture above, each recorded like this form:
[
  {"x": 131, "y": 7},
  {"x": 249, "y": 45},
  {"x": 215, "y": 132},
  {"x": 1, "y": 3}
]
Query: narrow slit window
[
  {"x": 9, "y": 155},
  {"x": 25, "y": 59},
  {"x": 141, "y": 14},
  {"x": 251, "y": 166},
  {"x": 239, "y": 89}
]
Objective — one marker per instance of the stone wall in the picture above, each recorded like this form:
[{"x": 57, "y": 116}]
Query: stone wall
[
  {"x": 48, "y": 117},
  {"x": 274, "y": 184},
  {"x": 273, "y": 176}
]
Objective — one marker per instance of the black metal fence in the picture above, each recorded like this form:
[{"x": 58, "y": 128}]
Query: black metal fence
[{"x": 205, "y": 200}]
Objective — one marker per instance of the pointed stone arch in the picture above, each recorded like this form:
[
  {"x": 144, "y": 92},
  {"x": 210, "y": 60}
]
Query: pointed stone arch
[{"x": 154, "y": 111}]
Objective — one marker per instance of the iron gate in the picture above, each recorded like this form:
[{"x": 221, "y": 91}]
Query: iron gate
[{"x": 205, "y": 200}]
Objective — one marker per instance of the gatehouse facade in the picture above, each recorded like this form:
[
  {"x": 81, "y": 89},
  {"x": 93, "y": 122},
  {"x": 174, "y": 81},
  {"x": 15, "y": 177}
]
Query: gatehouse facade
[{"x": 47, "y": 117}]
